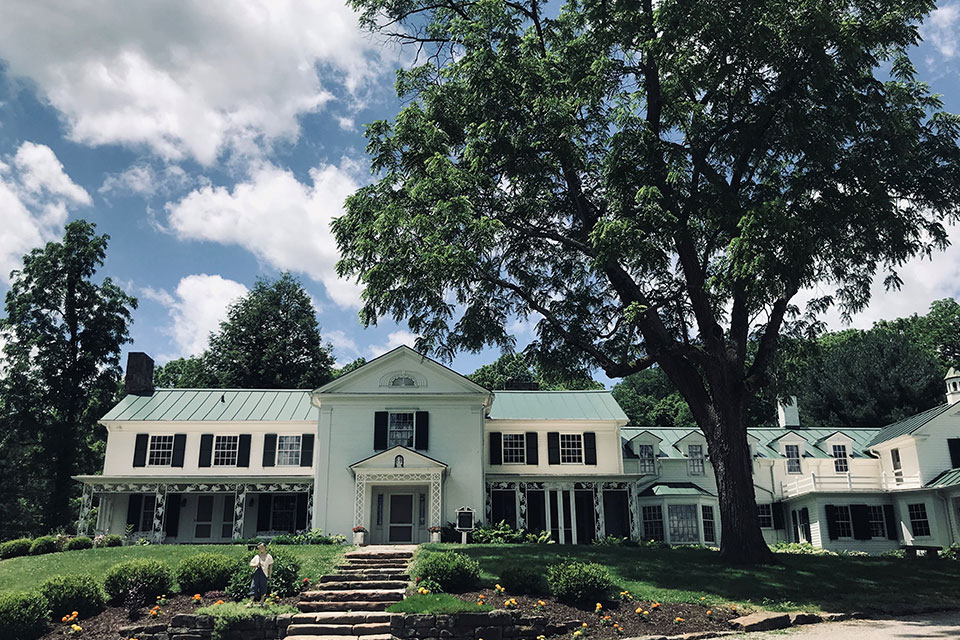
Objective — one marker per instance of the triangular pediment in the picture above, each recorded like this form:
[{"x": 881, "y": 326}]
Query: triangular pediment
[
  {"x": 408, "y": 459},
  {"x": 401, "y": 371}
]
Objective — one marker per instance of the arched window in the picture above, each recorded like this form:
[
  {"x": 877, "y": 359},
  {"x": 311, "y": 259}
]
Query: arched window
[{"x": 403, "y": 381}]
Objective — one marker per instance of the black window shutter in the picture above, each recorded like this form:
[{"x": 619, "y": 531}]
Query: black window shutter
[
  {"x": 892, "y": 532},
  {"x": 306, "y": 450},
  {"x": 380, "y": 430},
  {"x": 206, "y": 449},
  {"x": 533, "y": 456},
  {"x": 860, "y": 516},
  {"x": 553, "y": 447},
  {"x": 179, "y": 447},
  {"x": 263, "y": 512},
  {"x": 496, "y": 448},
  {"x": 421, "y": 432},
  {"x": 590, "y": 447},
  {"x": 831, "y": 521},
  {"x": 140, "y": 450},
  {"x": 172, "y": 514},
  {"x": 301, "y": 511},
  {"x": 954, "y": 445},
  {"x": 243, "y": 450},
  {"x": 269, "y": 449},
  {"x": 778, "y": 517},
  {"x": 134, "y": 507},
  {"x": 805, "y": 520}
]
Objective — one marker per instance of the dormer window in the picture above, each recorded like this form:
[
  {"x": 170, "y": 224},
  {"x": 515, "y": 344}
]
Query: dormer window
[
  {"x": 403, "y": 381},
  {"x": 695, "y": 462},
  {"x": 647, "y": 463},
  {"x": 840, "y": 463},
  {"x": 792, "y": 452}
]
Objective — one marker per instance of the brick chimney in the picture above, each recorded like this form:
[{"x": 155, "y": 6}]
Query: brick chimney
[
  {"x": 139, "y": 377},
  {"x": 788, "y": 413}
]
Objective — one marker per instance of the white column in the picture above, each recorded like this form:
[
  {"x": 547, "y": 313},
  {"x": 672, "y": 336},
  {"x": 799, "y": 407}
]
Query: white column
[
  {"x": 598, "y": 515},
  {"x": 436, "y": 499},
  {"x": 635, "y": 514},
  {"x": 161, "y": 497},
  {"x": 239, "y": 510},
  {"x": 322, "y": 471},
  {"x": 360, "y": 500},
  {"x": 86, "y": 501}
]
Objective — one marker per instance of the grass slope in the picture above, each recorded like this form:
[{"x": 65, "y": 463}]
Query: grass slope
[
  {"x": 812, "y": 583},
  {"x": 26, "y": 573}
]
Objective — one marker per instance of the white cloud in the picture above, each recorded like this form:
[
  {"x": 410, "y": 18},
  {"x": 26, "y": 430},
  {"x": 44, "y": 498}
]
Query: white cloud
[
  {"x": 341, "y": 341},
  {"x": 196, "y": 308},
  {"x": 143, "y": 180},
  {"x": 36, "y": 196},
  {"x": 347, "y": 124},
  {"x": 281, "y": 220},
  {"x": 942, "y": 29},
  {"x": 394, "y": 340},
  {"x": 188, "y": 78}
]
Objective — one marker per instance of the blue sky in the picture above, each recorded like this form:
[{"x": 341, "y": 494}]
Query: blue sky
[{"x": 215, "y": 141}]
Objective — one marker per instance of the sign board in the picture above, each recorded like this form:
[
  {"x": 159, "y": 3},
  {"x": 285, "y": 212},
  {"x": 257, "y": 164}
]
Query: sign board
[{"x": 466, "y": 519}]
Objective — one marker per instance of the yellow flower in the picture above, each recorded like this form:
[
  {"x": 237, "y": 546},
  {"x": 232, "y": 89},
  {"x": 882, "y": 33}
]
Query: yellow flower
[
  {"x": 678, "y": 620},
  {"x": 599, "y": 606},
  {"x": 584, "y": 624},
  {"x": 709, "y": 612},
  {"x": 74, "y": 614}
]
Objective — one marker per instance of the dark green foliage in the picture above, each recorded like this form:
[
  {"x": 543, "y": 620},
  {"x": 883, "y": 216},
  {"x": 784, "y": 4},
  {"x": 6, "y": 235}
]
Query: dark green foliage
[
  {"x": 66, "y": 329},
  {"x": 15, "y": 548},
  {"x": 80, "y": 542},
  {"x": 109, "y": 540},
  {"x": 350, "y": 366},
  {"x": 80, "y": 593},
  {"x": 44, "y": 544},
  {"x": 518, "y": 579},
  {"x": 579, "y": 582},
  {"x": 500, "y": 533},
  {"x": 516, "y": 367},
  {"x": 650, "y": 400},
  {"x": 184, "y": 373},
  {"x": 206, "y": 572},
  {"x": 314, "y": 536},
  {"x": 23, "y": 616},
  {"x": 453, "y": 571},
  {"x": 139, "y": 580},
  {"x": 284, "y": 580}
]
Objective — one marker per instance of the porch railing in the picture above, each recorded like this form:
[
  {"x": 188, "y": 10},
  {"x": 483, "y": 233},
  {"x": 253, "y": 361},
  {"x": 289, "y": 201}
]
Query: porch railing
[{"x": 848, "y": 482}]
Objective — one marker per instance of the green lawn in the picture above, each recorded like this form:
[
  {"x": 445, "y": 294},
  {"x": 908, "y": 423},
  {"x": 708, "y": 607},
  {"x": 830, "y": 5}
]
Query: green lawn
[
  {"x": 21, "y": 574},
  {"x": 811, "y": 583}
]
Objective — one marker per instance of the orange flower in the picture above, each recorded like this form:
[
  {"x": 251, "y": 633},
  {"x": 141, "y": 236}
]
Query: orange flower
[
  {"x": 655, "y": 605},
  {"x": 709, "y": 612},
  {"x": 678, "y": 620}
]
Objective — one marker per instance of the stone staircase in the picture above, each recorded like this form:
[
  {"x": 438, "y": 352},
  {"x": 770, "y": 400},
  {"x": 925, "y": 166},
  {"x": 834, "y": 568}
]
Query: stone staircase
[{"x": 349, "y": 605}]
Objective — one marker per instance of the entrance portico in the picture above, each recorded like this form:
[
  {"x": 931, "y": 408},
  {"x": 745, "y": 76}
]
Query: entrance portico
[{"x": 398, "y": 495}]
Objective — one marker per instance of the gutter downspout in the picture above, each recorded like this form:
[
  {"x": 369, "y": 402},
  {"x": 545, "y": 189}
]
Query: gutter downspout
[{"x": 946, "y": 510}]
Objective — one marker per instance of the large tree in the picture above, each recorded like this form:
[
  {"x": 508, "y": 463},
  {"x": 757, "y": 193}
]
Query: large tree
[
  {"x": 64, "y": 333},
  {"x": 654, "y": 182},
  {"x": 517, "y": 367}
]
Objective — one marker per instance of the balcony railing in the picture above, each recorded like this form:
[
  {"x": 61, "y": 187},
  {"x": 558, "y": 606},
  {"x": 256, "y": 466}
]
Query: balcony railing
[{"x": 847, "y": 482}]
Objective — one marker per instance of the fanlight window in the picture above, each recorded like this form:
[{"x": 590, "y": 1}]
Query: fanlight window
[{"x": 403, "y": 381}]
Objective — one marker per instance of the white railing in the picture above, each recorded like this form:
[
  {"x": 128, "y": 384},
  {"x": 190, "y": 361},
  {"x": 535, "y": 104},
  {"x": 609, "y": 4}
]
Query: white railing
[{"x": 847, "y": 482}]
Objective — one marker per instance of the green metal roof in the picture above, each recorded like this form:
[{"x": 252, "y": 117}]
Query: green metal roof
[
  {"x": 909, "y": 425},
  {"x": 674, "y": 489},
  {"x": 207, "y": 405},
  {"x": 949, "y": 478},
  {"x": 766, "y": 446},
  {"x": 556, "y": 405}
]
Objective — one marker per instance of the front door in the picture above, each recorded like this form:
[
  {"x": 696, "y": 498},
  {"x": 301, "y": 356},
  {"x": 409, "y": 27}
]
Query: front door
[{"x": 400, "y": 518}]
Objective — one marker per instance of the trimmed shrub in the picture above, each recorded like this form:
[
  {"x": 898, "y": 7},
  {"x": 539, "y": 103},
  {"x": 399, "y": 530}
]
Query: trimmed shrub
[
  {"x": 44, "y": 545},
  {"x": 80, "y": 542},
  {"x": 23, "y": 616},
  {"x": 578, "y": 582},
  {"x": 15, "y": 548},
  {"x": 500, "y": 533},
  {"x": 137, "y": 580},
  {"x": 521, "y": 579},
  {"x": 80, "y": 593},
  {"x": 113, "y": 540},
  {"x": 284, "y": 579},
  {"x": 454, "y": 572},
  {"x": 205, "y": 572}
]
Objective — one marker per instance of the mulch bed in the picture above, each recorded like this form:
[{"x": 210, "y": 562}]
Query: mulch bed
[
  {"x": 106, "y": 624},
  {"x": 661, "y": 619}
]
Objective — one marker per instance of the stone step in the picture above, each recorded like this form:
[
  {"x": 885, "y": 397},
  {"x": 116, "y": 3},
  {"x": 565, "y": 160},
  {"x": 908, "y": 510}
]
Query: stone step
[
  {"x": 373, "y": 572},
  {"x": 371, "y": 565},
  {"x": 310, "y": 607},
  {"x": 361, "y": 584},
  {"x": 369, "y": 576},
  {"x": 380, "y": 636},
  {"x": 379, "y": 554},
  {"x": 362, "y": 629},
  {"x": 342, "y": 617},
  {"x": 353, "y": 595}
]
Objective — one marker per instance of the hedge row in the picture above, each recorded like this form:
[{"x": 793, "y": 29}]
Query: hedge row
[{"x": 53, "y": 544}]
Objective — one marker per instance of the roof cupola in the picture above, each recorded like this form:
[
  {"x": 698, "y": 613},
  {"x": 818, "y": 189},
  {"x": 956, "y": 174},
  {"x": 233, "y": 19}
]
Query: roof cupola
[{"x": 953, "y": 385}]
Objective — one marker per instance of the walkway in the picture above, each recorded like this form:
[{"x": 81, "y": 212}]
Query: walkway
[{"x": 927, "y": 625}]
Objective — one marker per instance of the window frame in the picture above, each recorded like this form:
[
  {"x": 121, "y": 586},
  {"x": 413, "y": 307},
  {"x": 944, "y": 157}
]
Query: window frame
[
  {"x": 845, "y": 526},
  {"x": 877, "y": 517},
  {"x": 289, "y": 451},
  {"x": 391, "y": 440},
  {"x": 692, "y": 529},
  {"x": 920, "y": 517},
  {"x": 896, "y": 461},
  {"x": 704, "y": 510},
  {"x": 393, "y": 382},
  {"x": 293, "y": 511},
  {"x": 569, "y": 448},
  {"x": 844, "y": 458},
  {"x": 151, "y": 450},
  {"x": 515, "y": 438},
  {"x": 655, "y": 522},
  {"x": 765, "y": 517},
  {"x": 647, "y": 465},
  {"x": 790, "y": 459},
  {"x": 696, "y": 465},
  {"x": 152, "y": 498},
  {"x": 236, "y": 449}
]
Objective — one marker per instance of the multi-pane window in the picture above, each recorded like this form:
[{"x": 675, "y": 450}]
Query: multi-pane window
[
  {"x": 648, "y": 463},
  {"x": 695, "y": 462},
  {"x": 709, "y": 529},
  {"x": 844, "y": 522},
  {"x": 283, "y": 516},
  {"x": 400, "y": 430},
  {"x": 840, "y": 463},
  {"x": 571, "y": 448},
  {"x": 878, "y": 523},
  {"x": 793, "y": 458},
  {"x": 288, "y": 451},
  {"x": 652, "y": 522},
  {"x": 683, "y": 523},
  {"x": 146, "y": 512},
  {"x": 897, "y": 465},
  {"x": 765, "y": 515},
  {"x": 225, "y": 451},
  {"x": 403, "y": 381},
  {"x": 161, "y": 451},
  {"x": 918, "y": 519},
  {"x": 513, "y": 448}
]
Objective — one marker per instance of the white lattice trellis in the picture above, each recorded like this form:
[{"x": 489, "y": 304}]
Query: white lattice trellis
[{"x": 364, "y": 478}]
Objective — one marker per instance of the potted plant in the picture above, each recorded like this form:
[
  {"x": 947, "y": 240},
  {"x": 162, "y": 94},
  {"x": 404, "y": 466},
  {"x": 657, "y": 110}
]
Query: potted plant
[
  {"x": 360, "y": 536},
  {"x": 434, "y": 533}
]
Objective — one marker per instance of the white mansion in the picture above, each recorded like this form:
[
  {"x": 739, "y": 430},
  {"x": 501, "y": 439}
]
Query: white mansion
[{"x": 401, "y": 443}]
